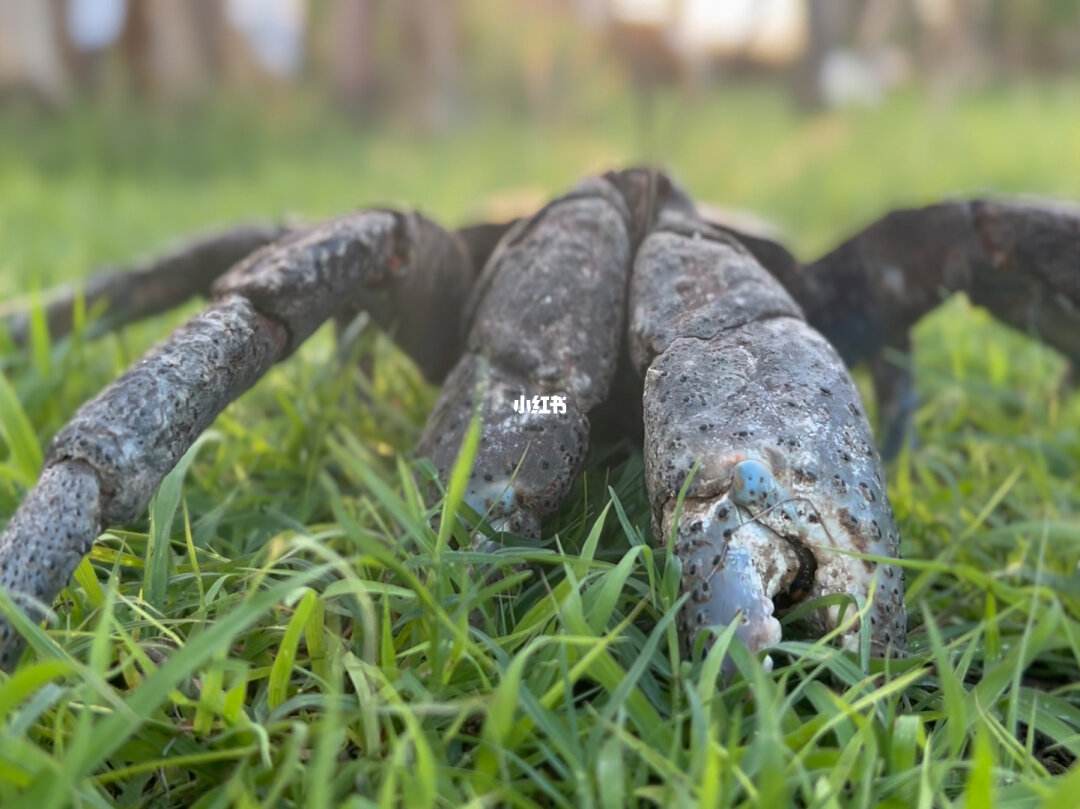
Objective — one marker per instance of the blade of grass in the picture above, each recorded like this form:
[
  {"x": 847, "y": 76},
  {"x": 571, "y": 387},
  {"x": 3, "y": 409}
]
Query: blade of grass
[{"x": 18, "y": 435}]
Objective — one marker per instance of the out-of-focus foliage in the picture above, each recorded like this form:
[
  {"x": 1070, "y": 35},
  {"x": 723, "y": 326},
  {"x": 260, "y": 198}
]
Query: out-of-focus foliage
[{"x": 439, "y": 62}]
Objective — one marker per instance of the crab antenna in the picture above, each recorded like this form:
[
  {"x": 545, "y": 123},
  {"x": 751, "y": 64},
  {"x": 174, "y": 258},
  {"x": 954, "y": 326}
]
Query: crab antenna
[{"x": 103, "y": 467}]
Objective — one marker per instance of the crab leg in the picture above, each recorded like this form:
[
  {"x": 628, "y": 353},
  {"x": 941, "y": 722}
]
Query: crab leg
[
  {"x": 103, "y": 467},
  {"x": 546, "y": 321},
  {"x": 149, "y": 288},
  {"x": 414, "y": 311},
  {"x": 134, "y": 293},
  {"x": 1019, "y": 259},
  {"x": 748, "y": 399}
]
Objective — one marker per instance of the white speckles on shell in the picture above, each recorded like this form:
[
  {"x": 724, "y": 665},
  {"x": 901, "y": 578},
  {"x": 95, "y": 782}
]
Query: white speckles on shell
[
  {"x": 547, "y": 319},
  {"x": 525, "y": 464},
  {"x": 695, "y": 282},
  {"x": 44, "y": 541},
  {"x": 753, "y": 382},
  {"x": 549, "y": 307},
  {"x": 136, "y": 430},
  {"x": 307, "y": 278},
  {"x": 128, "y": 438}
]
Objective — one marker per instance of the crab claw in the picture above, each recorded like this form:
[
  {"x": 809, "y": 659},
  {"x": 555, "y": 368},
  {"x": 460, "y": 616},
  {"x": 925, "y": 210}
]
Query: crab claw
[
  {"x": 758, "y": 549},
  {"x": 733, "y": 566},
  {"x": 751, "y": 414},
  {"x": 788, "y": 501}
]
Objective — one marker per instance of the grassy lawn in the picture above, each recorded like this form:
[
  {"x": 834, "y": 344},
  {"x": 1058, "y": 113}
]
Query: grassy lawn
[{"x": 304, "y": 639}]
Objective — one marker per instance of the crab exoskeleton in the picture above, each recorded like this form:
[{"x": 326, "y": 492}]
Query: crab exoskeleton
[{"x": 761, "y": 468}]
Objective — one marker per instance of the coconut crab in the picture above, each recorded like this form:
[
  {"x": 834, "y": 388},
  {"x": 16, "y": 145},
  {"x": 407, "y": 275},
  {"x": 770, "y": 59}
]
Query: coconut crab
[{"x": 762, "y": 473}]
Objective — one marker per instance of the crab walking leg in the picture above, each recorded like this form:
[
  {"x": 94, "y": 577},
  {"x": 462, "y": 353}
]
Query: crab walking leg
[
  {"x": 415, "y": 311},
  {"x": 743, "y": 392},
  {"x": 1020, "y": 259},
  {"x": 103, "y": 467},
  {"x": 149, "y": 288},
  {"x": 547, "y": 318}
]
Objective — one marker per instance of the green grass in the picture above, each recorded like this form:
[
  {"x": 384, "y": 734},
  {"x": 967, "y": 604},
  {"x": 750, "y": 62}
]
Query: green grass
[{"x": 290, "y": 630}]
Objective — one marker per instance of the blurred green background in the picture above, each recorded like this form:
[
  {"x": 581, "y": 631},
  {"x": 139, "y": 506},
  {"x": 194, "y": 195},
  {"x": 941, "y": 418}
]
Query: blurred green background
[{"x": 123, "y": 125}]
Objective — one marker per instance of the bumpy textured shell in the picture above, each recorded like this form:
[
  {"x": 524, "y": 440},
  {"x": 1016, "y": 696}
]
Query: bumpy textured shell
[
  {"x": 739, "y": 387},
  {"x": 420, "y": 303},
  {"x": 52, "y": 530},
  {"x": 131, "y": 293},
  {"x": 310, "y": 276},
  {"x": 526, "y": 462},
  {"x": 547, "y": 319},
  {"x": 549, "y": 305},
  {"x": 104, "y": 466},
  {"x": 136, "y": 430}
]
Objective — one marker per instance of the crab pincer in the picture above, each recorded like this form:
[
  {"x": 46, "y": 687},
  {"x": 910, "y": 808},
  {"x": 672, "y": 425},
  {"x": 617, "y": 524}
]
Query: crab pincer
[{"x": 752, "y": 412}]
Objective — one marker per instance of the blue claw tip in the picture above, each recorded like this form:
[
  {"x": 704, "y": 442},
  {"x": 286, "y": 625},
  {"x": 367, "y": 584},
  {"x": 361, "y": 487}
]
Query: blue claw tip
[{"x": 753, "y": 485}]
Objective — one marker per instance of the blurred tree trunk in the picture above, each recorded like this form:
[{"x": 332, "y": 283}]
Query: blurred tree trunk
[
  {"x": 954, "y": 45},
  {"x": 85, "y": 67},
  {"x": 211, "y": 28},
  {"x": 879, "y": 22},
  {"x": 31, "y": 53},
  {"x": 352, "y": 52},
  {"x": 647, "y": 55},
  {"x": 170, "y": 47},
  {"x": 238, "y": 65},
  {"x": 430, "y": 38},
  {"x": 826, "y": 29}
]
